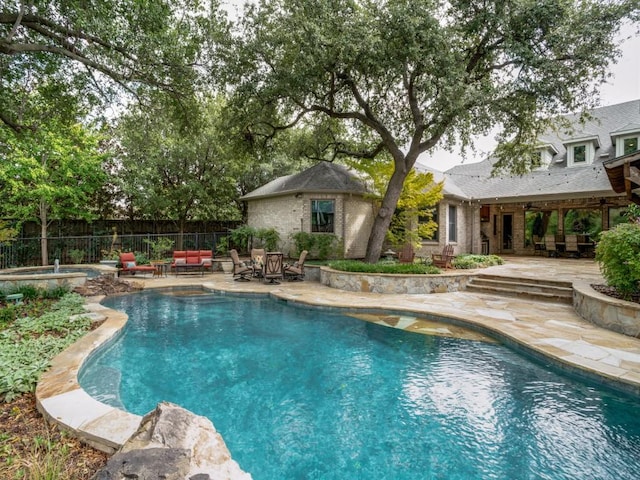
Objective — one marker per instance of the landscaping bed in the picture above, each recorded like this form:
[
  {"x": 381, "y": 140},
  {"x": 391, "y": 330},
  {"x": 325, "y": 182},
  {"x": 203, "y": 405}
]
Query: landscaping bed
[
  {"x": 31, "y": 333},
  {"x": 33, "y": 449}
]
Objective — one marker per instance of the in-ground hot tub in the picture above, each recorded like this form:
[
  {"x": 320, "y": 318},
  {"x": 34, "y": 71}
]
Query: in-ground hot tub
[{"x": 45, "y": 277}]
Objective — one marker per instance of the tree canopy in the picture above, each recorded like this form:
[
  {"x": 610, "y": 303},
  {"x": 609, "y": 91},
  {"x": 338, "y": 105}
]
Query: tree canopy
[
  {"x": 402, "y": 76},
  {"x": 102, "y": 52}
]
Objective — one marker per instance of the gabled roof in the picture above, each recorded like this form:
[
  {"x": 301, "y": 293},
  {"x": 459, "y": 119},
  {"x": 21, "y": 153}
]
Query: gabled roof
[
  {"x": 558, "y": 180},
  {"x": 323, "y": 177}
]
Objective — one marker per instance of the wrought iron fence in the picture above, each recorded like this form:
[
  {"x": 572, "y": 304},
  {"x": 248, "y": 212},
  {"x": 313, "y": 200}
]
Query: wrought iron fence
[{"x": 26, "y": 251}]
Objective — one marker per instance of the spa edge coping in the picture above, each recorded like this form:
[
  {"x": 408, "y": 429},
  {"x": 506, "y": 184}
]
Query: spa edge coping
[{"x": 61, "y": 400}]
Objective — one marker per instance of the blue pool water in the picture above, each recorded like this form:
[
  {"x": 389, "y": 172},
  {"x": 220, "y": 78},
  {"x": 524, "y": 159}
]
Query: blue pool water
[{"x": 304, "y": 393}]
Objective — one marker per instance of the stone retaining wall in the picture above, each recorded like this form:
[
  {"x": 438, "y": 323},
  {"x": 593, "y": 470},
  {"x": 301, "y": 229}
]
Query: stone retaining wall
[
  {"x": 606, "y": 312},
  {"x": 394, "y": 283}
]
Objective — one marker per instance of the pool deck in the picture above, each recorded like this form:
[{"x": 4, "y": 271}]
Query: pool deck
[{"x": 552, "y": 332}]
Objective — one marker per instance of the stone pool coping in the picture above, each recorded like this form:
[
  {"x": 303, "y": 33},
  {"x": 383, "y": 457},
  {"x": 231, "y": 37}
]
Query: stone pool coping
[{"x": 545, "y": 330}]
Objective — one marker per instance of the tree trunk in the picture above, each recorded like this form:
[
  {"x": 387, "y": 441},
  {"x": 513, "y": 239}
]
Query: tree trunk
[{"x": 383, "y": 218}]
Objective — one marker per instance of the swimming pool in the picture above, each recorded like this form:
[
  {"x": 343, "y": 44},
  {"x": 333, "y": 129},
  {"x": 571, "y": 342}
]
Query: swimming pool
[{"x": 309, "y": 393}]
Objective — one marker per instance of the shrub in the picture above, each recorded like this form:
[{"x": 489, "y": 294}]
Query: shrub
[
  {"x": 76, "y": 255},
  {"x": 383, "y": 267},
  {"x": 241, "y": 237},
  {"x": 618, "y": 253},
  {"x": 325, "y": 245},
  {"x": 476, "y": 261},
  {"x": 269, "y": 238},
  {"x": 303, "y": 241},
  {"x": 142, "y": 258}
]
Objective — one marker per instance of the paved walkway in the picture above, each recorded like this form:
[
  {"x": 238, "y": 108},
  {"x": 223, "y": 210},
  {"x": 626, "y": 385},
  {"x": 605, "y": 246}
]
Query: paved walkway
[{"x": 550, "y": 330}]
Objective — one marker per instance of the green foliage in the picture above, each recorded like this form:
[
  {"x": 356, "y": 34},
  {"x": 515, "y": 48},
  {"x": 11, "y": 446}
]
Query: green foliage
[
  {"x": 413, "y": 217},
  {"x": 222, "y": 246},
  {"x": 45, "y": 459},
  {"x": 320, "y": 246},
  {"x": 7, "y": 233},
  {"x": 325, "y": 244},
  {"x": 269, "y": 238},
  {"x": 383, "y": 267},
  {"x": 7, "y": 315},
  {"x": 303, "y": 241},
  {"x": 142, "y": 258},
  {"x": 29, "y": 292},
  {"x": 242, "y": 236},
  {"x": 397, "y": 79},
  {"x": 176, "y": 166},
  {"x": 159, "y": 247},
  {"x": 633, "y": 213},
  {"x": 618, "y": 252},
  {"x": 100, "y": 52},
  {"x": 476, "y": 261},
  {"x": 76, "y": 255},
  {"x": 29, "y": 343}
]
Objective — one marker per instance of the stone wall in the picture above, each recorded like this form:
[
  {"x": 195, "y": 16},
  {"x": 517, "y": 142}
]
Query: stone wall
[
  {"x": 606, "y": 312},
  {"x": 393, "y": 283},
  {"x": 45, "y": 281},
  {"x": 290, "y": 214}
]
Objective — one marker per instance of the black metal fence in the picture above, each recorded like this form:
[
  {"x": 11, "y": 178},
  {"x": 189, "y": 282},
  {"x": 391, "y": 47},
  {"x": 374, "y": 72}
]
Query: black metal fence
[{"x": 27, "y": 251}]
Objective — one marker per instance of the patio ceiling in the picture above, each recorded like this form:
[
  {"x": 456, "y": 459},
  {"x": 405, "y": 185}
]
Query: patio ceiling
[{"x": 624, "y": 175}]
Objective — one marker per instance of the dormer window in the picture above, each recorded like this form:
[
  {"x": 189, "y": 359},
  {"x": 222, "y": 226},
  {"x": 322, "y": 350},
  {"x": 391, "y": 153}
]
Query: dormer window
[
  {"x": 581, "y": 151},
  {"x": 626, "y": 139},
  {"x": 544, "y": 156}
]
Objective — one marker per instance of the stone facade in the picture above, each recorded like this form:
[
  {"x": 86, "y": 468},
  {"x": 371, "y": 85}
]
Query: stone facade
[{"x": 290, "y": 214}]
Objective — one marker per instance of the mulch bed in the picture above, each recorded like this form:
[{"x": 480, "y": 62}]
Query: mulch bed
[
  {"x": 27, "y": 439},
  {"x": 612, "y": 292}
]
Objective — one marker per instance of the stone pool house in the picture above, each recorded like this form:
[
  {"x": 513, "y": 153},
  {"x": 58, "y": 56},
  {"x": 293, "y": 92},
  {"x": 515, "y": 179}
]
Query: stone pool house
[{"x": 584, "y": 181}]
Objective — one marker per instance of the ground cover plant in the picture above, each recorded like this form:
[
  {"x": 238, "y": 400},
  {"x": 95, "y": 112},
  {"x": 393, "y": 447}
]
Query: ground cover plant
[
  {"x": 418, "y": 267},
  {"x": 383, "y": 267},
  {"x": 31, "y": 334},
  {"x": 476, "y": 261}
]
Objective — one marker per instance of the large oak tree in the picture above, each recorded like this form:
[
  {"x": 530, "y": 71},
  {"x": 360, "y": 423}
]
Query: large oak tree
[
  {"x": 104, "y": 52},
  {"x": 403, "y": 76}
]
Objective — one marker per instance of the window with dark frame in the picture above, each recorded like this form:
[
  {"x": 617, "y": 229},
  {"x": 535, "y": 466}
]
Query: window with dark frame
[
  {"x": 579, "y": 154},
  {"x": 453, "y": 223},
  {"x": 322, "y": 216},
  {"x": 630, "y": 145}
]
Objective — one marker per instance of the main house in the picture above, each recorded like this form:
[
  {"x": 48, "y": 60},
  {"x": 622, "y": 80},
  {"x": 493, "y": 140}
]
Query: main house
[{"x": 579, "y": 188}]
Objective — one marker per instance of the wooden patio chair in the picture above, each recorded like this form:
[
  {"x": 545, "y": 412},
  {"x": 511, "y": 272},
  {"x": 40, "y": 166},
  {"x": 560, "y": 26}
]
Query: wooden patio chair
[
  {"x": 406, "y": 254},
  {"x": 444, "y": 259}
]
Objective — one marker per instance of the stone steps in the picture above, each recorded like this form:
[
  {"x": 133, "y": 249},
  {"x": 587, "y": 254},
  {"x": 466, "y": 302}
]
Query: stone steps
[{"x": 525, "y": 288}]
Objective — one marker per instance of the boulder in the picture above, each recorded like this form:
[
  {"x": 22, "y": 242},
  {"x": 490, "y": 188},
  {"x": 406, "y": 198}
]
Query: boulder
[{"x": 173, "y": 444}]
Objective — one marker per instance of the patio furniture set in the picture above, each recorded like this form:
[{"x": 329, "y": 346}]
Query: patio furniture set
[
  {"x": 267, "y": 266},
  {"x": 564, "y": 245},
  {"x": 183, "y": 261}
]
